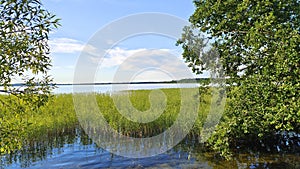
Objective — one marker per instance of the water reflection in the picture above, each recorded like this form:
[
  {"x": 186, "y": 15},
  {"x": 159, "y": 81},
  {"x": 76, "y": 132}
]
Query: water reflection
[
  {"x": 51, "y": 144},
  {"x": 71, "y": 148}
]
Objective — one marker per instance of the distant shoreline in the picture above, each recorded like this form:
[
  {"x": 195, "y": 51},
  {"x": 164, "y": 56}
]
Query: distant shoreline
[{"x": 196, "y": 80}]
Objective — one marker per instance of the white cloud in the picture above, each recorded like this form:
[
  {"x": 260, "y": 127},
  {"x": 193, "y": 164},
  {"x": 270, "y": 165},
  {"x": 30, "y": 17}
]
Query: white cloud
[
  {"x": 64, "y": 67},
  {"x": 144, "y": 64},
  {"x": 110, "y": 42},
  {"x": 151, "y": 75},
  {"x": 142, "y": 58},
  {"x": 65, "y": 45},
  {"x": 116, "y": 56},
  {"x": 147, "y": 58}
]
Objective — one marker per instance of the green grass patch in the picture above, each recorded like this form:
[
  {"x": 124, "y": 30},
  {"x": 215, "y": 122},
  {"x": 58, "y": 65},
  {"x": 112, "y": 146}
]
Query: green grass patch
[{"x": 59, "y": 114}]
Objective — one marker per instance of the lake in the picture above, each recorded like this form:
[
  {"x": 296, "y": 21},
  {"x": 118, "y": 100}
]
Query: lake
[
  {"x": 72, "y": 148},
  {"x": 108, "y": 88}
]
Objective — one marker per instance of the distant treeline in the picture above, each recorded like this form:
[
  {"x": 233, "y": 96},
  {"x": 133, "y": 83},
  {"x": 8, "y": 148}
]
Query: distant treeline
[{"x": 193, "y": 80}]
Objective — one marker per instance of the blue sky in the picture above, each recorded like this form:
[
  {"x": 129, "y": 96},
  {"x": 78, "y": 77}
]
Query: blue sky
[{"x": 82, "y": 19}]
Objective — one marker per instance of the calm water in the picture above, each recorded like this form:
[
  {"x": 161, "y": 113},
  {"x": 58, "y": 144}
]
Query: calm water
[
  {"x": 73, "y": 149},
  {"x": 117, "y": 87}
]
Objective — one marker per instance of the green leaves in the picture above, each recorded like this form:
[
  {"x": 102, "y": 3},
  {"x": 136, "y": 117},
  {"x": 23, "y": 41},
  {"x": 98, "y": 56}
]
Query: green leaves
[
  {"x": 25, "y": 26},
  {"x": 258, "y": 43},
  {"x": 24, "y": 50}
]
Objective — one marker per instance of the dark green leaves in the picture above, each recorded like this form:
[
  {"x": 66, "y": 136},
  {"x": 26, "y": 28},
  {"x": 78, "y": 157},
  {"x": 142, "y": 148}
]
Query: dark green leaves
[{"x": 258, "y": 43}]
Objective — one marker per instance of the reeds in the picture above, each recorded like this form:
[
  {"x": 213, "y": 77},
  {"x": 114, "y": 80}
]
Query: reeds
[
  {"x": 59, "y": 114},
  {"x": 129, "y": 123}
]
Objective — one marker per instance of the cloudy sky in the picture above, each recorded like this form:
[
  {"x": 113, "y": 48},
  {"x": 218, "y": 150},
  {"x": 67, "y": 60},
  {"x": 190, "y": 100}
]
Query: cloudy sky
[{"x": 111, "y": 40}]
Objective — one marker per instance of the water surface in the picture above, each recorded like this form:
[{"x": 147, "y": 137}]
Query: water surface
[
  {"x": 108, "y": 88},
  {"x": 72, "y": 148}
]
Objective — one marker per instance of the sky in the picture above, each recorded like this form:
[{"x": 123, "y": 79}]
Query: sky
[{"x": 118, "y": 40}]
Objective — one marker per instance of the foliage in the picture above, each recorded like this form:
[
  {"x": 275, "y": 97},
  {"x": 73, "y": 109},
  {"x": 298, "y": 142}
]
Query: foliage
[
  {"x": 24, "y": 49},
  {"x": 25, "y": 26},
  {"x": 258, "y": 43},
  {"x": 18, "y": 127},
  {"x": 259, "y": 118},
  {"x": 198, "y": 53},
  {"x": 12, "y": 126}
]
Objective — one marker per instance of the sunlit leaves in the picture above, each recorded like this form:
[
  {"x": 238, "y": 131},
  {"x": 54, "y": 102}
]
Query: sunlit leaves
[
  {"x": 258, "y": 43},
  {"x": 24, "y": 50}
]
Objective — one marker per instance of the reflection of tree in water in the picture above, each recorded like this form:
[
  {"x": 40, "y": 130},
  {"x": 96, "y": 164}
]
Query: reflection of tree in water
[
  {"x": 286, "y": 157},
  {"x": 40, "y": 147},
  {"x": 188, "y": 153}
]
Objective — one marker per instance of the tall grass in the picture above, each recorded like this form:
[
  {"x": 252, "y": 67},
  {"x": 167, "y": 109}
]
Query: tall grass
[
  {"x": 128, "y": 122},
  {"x": 59, "y": 114},
  {"x": 55, "y": 116}
]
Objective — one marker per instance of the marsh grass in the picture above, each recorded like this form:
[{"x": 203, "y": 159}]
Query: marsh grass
[
  {"x": 141, "y": 101},
  {"x": 58, "y": 115},
  {"x": 20, "y": 124}
]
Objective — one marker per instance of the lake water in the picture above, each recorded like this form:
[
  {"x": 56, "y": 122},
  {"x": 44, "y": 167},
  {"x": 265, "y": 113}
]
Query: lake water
[
  {"x": 73, "y": 149},
  {"x": 109, "y": 88},
  {"x": 117, "y": 87}
]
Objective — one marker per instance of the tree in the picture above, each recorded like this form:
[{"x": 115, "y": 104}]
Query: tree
[
  {"x": 259, "y": 47},
  {"x": 24, "y": 53}
]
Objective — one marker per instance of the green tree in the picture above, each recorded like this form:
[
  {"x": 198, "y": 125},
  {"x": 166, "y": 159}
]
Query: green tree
[
  {"x": 24, "y": 54},
  {"x": 259, "y": 47}
]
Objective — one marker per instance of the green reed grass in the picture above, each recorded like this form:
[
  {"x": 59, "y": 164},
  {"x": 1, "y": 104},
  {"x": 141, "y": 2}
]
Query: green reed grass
[
  {"x": 59, "y": 114},
  {"x": 141, "y": 102}
]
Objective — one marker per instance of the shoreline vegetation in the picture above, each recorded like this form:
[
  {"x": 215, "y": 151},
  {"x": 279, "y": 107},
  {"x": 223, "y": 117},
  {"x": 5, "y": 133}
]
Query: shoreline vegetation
[{"x": 58, "y": 114}]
